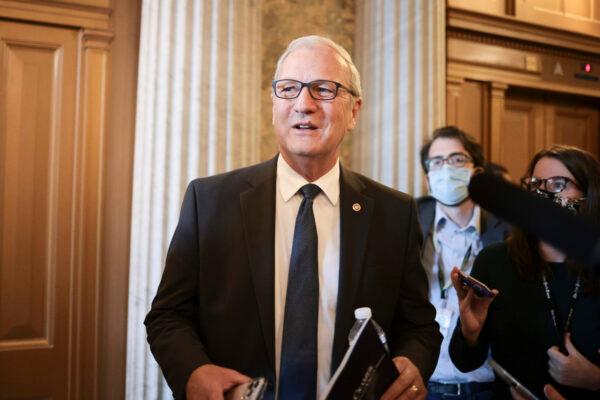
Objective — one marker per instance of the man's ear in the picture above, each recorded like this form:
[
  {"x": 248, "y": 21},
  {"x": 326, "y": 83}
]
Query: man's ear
[
  {"x": 272, "y": 110},
  {"x": 355, "y": 112}
]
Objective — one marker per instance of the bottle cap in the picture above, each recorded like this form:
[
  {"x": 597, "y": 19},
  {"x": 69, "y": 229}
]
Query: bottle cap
[{"x": 362, "y": 313}]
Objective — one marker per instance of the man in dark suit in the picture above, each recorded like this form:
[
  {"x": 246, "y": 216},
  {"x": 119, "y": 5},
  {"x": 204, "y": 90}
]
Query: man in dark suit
[
  {"x": 268, "y": 262},
  {"x": 454, "y": 231}
]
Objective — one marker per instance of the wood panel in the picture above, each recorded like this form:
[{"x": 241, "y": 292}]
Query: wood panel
[
  {"x": 37, "y": 136},
  {"x": 535, "y": 120},
  {"x": 494, "y": 7},
  {"x": 466, "y": 107},
  {"x": 574, "y": 15},
  {"x": 522, "y": 134},
  {"x": 116, "y": 210},
  {"x": 91, "y": 3},
  {"x": 575, "y": 124},
  {"x": 85, "y": 231},
  {"x": 91, "y": 14}
]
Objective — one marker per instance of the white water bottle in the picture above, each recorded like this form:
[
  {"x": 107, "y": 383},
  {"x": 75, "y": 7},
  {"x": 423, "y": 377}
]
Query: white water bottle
[{"x": 362, "y": 316}]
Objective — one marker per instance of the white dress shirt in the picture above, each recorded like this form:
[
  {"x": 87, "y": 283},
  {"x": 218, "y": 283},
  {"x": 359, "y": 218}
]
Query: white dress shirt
[
  {"x": 445, "y": 248},
  {"x": 326, "y": 209}
]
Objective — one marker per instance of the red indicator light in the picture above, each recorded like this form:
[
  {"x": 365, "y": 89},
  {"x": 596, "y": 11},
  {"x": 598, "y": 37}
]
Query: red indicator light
[{"x": 587, "y": 67}]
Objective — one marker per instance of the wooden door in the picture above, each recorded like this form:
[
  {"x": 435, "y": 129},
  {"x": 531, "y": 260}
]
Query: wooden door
[
  {"x": 38, "y": 307},
  {"x": 535, "y": 120}
]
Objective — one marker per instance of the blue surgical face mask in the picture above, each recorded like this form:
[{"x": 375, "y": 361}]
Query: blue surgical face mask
[{"x": 449, "y": 185}]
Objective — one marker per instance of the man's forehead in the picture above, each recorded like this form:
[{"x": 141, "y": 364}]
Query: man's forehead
[
  {"x": 312, "y": 59},
  {"x": 445, "y": 147}
]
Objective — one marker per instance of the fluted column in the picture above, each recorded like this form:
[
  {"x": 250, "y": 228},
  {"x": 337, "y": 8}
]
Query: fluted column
[
  {"x": 400, "y": 51},
  {"x": 198, "y": 114}
]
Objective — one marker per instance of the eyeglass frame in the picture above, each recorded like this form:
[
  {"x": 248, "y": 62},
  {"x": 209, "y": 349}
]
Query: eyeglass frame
[
  {"x": 527, "y": 185},
  {"x": 307, "y": 85},
  {"x": 445, "y": 160}
]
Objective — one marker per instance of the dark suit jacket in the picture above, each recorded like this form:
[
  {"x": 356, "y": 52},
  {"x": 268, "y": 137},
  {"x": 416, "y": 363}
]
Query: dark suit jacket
[
  {"x": 215, "y": 303},
  {"x": 492, "y": 229}
]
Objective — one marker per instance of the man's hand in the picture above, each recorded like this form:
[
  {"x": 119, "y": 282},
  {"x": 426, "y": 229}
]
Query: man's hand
[
  {"x": 473, "y": 309},
  {"x": 409, "y": 385},
  {"x": 573, "y": 369},
  {"x": 209, "y": 382}
]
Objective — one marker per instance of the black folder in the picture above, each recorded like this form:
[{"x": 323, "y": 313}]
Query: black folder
[{"x": 366, "y": 371}]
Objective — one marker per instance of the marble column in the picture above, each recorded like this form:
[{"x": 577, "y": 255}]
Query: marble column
[
  {"x": 198, "y": 114},
  {"x": 400, "y": 52}
]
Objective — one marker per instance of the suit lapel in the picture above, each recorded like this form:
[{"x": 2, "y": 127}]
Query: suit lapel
[
  {"x": 258, "y": 216},
  {"x": 355, "y": 216},
  {"x": 491, "y": 229}
]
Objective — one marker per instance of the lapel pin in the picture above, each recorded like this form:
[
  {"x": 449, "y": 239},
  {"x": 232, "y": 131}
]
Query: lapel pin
[{"x": 356, "y": 207}]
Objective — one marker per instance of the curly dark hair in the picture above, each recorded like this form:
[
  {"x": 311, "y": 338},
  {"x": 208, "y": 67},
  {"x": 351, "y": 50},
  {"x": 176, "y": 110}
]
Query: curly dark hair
[{"x": 451, "y": 132}]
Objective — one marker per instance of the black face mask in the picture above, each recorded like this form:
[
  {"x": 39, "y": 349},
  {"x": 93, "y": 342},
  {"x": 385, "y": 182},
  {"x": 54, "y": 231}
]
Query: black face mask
[{"x": 570, "y": 204}]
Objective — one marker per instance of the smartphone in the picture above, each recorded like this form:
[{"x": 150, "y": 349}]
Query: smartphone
[
  {"x": 252, "y": 390},
  {"x": 511, "y": 381},
  {"x": 480, "y": 288}
]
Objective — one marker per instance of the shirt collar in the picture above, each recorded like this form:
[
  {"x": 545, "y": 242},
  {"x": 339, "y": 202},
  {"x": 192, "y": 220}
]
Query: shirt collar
[
  {"x": 289, "y": 181},
  {"x": 441, "y": 219}
]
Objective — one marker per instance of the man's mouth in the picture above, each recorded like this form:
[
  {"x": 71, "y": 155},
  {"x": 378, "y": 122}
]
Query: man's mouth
[{"x": 305, "y": 125}]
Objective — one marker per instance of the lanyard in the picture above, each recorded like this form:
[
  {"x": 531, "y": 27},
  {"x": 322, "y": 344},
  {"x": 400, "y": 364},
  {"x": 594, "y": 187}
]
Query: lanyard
[
  {"x": 554, "y": 309},
  {"x": 463, "y": 267}
]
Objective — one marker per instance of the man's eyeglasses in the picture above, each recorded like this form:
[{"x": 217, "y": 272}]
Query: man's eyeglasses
[
  {"x": 319, "y": 90},
  {"x": 456, "y": 160},
  {"x": 554, "y": 184}
]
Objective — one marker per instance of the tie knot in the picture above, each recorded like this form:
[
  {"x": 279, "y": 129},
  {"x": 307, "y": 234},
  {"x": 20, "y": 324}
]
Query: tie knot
[{"x": 310, "y": 191}]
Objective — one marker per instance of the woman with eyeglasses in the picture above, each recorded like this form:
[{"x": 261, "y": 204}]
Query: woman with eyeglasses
[{"x": 542, "y": 323}]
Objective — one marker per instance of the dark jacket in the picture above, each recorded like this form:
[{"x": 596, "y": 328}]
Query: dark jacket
[
  {"x": 492, "y": 229},
  {"x": 518, "y": 328},
  {"x": 215, "y": 302}
]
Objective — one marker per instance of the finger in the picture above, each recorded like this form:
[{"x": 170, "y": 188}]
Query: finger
[
  {"x": 460, "y": 290},
  {"x": 553, "y": 364},
  {"x": 551, "y": 393},
  {"x": 238, "y": 377},
  {"x": 400, "y": 385},
  {"x": 414, "y": 391},
  {"x": 556, "y": 355},
  {"x": 401, "y": 364},
  {"x": 407, "y": 374},
  {"x": 468, "y": 295},
  {"x": 234, "y": 378},
  {"x": 515, "y": 395},
  {"x": 488, "y": 300},
  {"x": 555, "y": 375},
  {"x": 411, "y": 393},
  {"x": 571, "y": 350},
  {"x": 392, "y": 392}
]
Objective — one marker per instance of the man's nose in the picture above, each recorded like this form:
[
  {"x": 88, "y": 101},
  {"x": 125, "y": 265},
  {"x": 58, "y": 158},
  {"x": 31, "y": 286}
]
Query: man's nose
[{"x": 304, "y": 102}]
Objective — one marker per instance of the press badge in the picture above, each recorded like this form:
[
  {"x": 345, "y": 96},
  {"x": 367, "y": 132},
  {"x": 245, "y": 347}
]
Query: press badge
[{"x": 444, "y": 317}]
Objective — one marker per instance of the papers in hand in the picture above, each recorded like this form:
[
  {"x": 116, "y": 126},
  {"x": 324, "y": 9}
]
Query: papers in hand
[{"x": 366, "y": 371}]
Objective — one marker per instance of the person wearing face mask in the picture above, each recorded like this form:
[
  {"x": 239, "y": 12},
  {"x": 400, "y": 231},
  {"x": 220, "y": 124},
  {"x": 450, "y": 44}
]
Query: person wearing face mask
[
  {"x": 542, "y": 324},
  {"x": 454, "y": 231}
]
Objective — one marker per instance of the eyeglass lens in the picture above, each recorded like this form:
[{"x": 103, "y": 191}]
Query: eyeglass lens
[
  {"x": 455, "y": 160},
  {"x": 319, "y": 90},
  {"x": 555, "y": 184}
]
